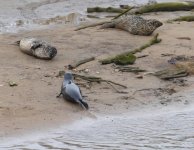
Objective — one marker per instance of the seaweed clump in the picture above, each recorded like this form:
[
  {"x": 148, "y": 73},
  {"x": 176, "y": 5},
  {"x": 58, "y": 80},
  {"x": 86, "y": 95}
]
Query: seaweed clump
[{"x": 128, "y": 59}]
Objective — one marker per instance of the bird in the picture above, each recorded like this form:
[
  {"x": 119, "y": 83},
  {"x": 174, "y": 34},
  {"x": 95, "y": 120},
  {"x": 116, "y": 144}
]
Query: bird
[{"x": 71, "y": 92}]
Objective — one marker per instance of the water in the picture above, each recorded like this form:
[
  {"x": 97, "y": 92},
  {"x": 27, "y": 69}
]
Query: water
[
  {"x": 173, "y": 130},
  {"x": 18, "y": 15}
]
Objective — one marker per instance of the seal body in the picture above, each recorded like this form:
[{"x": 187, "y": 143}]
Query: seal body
[
  {"x": 71, "y": 92},
  {"x": 134, "y": 24},
  {"x": 37, "y": 48}
]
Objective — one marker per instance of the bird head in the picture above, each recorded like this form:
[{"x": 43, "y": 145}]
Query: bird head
[{"x": 68, "y": 76}]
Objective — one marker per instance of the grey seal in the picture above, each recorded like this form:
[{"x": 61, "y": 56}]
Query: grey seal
[
  {"x": 71, "y": 92},
  {"x": 37, "y": 48},
  {"x": 135, "y": 25}
]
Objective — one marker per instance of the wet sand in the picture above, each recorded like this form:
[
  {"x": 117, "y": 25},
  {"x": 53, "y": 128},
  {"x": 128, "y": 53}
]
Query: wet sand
[{"x": 32, "y": 106}]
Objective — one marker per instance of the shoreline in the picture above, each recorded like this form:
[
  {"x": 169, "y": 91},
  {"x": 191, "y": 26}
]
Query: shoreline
[
  {"x": 52, "y": 133},
  {"x": 27, "y": 108}
]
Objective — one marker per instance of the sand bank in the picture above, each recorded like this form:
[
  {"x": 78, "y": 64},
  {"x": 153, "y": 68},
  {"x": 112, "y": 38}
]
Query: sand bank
[{"x": 33, "y": 106}]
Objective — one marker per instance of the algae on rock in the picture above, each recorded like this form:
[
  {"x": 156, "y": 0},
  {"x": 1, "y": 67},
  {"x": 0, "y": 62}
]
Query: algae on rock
[
  {"x": 129, "y": 57},
  {"x": 120, "y": 59}
]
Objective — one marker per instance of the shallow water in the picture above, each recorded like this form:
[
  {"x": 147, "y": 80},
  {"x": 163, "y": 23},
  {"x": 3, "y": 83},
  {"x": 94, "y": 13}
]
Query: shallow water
[
  {"x": 165, "y": 131},
  {"x": 32, "y": 14}
]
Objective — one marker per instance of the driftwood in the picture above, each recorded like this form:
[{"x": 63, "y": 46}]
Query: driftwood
[
  {"x": 123, "y": 59},
  {"x": 91, "y": 79},
  {"x": 169, "y": 6},
  {"x": 167, "y": 54},
  {"x": 153, "y": 41},
  {"x": 171, "y": 73},
  {"x": 184, "y": 18},
  {"x": 97, "y": 79},
  {"x": 92, "y": 25},
  {"x": 125, "y": 6},
  {"x": 108, "y": 9},
  {"x": 130, "y": 69},
  {"x": 142, "y": 56},
  {"x": 123, "y": 13},
  {"x": 76, "y": 64},
  {"x": 184, "y": 38}
]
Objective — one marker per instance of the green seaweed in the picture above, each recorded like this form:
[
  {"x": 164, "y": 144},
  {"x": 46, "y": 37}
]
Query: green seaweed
[
  {"x": 184, "y": 18},
  {"x": 129, "y": 57},
  {"x": 169, "y": 6},
  {"x": 120, "y": 60},
  {"x": 125, "y": 59}
]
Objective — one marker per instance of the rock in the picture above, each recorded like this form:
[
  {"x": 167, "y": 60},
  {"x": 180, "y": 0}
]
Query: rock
[
  {"x": 12, "y": 83},
  {"x": 86, "y": 70}
]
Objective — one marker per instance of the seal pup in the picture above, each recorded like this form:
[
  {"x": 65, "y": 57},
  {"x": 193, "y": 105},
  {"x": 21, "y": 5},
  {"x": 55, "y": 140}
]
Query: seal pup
[
  {"x": 71, "y": 92},
  {"x": 134, "y": 24},
  {"x": 37, "y": 48}
]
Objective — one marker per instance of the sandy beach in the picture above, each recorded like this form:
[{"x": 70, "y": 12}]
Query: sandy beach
[{"x": 33, "y": 106}]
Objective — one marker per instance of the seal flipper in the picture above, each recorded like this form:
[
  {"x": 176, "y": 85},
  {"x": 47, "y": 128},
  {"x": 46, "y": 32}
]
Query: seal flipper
[
  {"x": 84, "y": 104},
  {"x": 108, "y": 25},
  {"x": 17, "y": 43},
  {"x": 36, "y": 45}
]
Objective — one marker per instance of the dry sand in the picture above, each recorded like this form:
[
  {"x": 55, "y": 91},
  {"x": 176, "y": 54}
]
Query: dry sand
[{"x": 33, "y": 106}]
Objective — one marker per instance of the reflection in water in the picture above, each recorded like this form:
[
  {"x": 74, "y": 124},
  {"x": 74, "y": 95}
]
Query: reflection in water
[{"x": 167, "y": 131}]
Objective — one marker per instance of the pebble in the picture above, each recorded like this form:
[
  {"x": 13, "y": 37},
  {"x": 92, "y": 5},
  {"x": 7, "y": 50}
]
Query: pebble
[{"x": 86, "y": 70}]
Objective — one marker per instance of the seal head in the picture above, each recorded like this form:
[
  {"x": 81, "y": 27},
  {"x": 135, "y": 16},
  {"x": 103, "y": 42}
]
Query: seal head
[
  {"x": 155, "y": 23},
  {"x": 44, "y": 51}
]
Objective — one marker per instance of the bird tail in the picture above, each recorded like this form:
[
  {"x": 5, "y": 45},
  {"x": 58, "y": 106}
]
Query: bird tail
[{"x": 84, "y": 104}]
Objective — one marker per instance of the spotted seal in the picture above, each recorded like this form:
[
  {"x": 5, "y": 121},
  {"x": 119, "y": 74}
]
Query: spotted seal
[
  {"x": 37, "y": 48},
  {"x": 134, "y": 24},
  {"x": 71, "y": 92}
]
